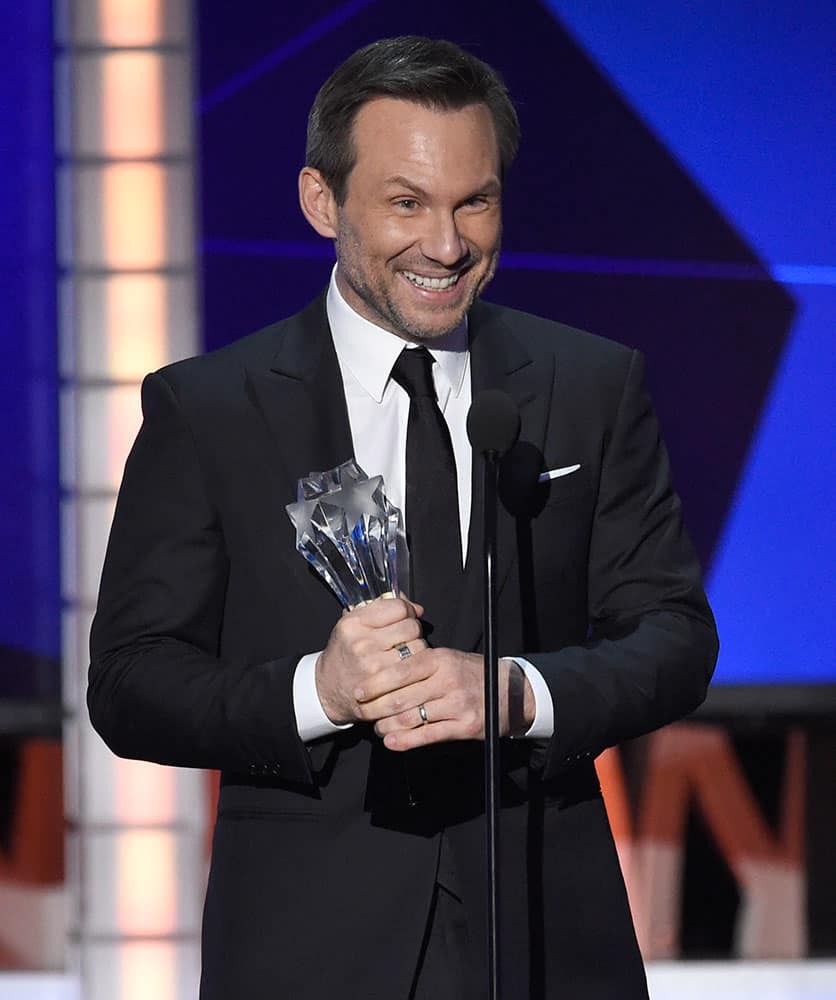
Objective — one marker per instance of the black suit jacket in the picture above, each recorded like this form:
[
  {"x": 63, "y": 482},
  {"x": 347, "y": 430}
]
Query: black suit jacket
[{"x": 321, "y": 877}]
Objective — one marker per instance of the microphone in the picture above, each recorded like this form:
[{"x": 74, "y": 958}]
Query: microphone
[{"x": 493, "y": 423}]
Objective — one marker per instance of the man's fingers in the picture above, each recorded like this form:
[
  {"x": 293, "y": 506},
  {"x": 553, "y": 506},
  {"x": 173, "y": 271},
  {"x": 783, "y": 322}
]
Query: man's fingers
[
  {"x": 417, "y": 609},
  {"x": 401, "y": 633},
  {"x": 421, "y": 736},
  {"x": 399, "y": 710},
  {"x": 383, "y": 611},
  {"x": 410, "y": 718},
  {"x": 395, "y": 688},
  {"x": 373, "y": 629}
]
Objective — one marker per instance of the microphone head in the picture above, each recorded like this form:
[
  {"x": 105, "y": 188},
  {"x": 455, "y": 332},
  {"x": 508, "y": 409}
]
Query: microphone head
[{"x": 493, "y": 423}]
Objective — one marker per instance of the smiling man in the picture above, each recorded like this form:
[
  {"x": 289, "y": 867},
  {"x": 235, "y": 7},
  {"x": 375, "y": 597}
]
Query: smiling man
[{"x": 348, "y": 857}]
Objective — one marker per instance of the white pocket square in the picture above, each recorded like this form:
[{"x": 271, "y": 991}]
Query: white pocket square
[{"x": 544, "y": 477}]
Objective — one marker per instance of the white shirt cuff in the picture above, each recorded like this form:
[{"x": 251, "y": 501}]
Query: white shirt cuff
[
  {"x": 311, "y": 720},
  {"x": 543, "y": 725}
]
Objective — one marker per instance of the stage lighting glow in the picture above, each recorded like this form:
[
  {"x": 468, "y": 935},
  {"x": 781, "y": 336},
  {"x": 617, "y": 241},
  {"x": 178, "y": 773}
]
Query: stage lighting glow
[
  {"x": 146, "y": 882},
  {"x": 136, "y": 325},
  {"x": 128, "y": 298},
  {"x": 130, "y": 22},
  {"x": 133, "y": 196},
  {"x": 132, "y": 80}
]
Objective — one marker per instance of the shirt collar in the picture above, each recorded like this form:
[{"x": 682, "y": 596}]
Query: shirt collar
[{"x": 369, "y": 351}]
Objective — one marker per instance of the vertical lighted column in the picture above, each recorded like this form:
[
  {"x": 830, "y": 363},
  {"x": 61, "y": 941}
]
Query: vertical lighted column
[{"x": 127, "y": 306}]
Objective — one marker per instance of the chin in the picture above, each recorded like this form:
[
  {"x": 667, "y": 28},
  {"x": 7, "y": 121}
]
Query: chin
[
  {"x": 424, "y": 331},
  {"x": 430, "y": 325}
]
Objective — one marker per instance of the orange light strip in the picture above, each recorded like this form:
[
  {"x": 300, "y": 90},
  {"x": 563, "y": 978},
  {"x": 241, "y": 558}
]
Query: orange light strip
[
  {"x": 129, "y": 302},
  {"x": 145, "y": 793},
  {"x": 146, "y": 882},
  {"x": 132, "y": 109},
  {"x": 136, "y": 317},
  {"x": 130, "y": 22},
  {"x": 147, "y": 971},
  {"x": 134, "y": 215},
  {"x": 134, "y": 236}
]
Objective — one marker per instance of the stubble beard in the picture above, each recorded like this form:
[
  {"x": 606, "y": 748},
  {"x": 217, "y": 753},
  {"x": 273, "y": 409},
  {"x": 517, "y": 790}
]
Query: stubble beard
[{"x": 383, "y": 305}]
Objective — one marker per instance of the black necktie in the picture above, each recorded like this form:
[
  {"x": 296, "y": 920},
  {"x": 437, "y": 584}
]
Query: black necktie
[{"x": 432, "y": 499}]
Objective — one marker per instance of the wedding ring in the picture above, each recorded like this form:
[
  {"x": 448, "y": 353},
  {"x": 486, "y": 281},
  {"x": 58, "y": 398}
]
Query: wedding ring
[
  {"x": 423, "y": 713},
  {"x": 403, "y": 651}
]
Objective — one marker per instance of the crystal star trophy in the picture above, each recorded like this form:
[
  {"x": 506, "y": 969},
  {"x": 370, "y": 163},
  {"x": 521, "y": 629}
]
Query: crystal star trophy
[{"x": 351, "y": 534}]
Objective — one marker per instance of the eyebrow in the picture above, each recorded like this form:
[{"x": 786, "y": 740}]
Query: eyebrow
[
  {"x": 491, "y": 185},
  {"x": 398, "y": 180}
]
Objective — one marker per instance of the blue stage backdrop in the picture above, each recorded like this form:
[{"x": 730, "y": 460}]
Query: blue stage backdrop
[
  {"x": 672, "y": 192},
  {"x": 29, "y": 574}
]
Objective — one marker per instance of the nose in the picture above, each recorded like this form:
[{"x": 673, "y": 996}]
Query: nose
[{"x": 442, "y": 242}]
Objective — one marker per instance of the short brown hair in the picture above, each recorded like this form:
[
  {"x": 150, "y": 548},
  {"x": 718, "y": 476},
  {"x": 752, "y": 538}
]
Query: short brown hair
[{"x": 432, "y": 72}]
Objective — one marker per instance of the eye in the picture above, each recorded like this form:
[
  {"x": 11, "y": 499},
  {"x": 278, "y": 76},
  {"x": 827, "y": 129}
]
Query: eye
[
  {"x": 476, "y": 201},
  {"x": 407, "y": 204}
]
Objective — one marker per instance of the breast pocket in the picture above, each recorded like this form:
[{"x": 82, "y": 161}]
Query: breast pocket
[
  {"x": 525, "y": 494},
  {"x": 575, "y": 487}
]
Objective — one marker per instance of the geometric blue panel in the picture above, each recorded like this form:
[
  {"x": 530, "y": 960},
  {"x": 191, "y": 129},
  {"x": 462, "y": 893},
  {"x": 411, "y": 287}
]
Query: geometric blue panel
[{"x": 773, "y": 581}]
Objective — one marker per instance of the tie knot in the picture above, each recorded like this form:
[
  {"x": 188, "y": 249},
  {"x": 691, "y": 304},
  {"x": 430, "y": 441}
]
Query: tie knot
[{"x": 413, "y": 371}]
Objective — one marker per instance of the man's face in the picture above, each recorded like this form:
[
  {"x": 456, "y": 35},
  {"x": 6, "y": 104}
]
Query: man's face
[{"x": 418, "y": 234}]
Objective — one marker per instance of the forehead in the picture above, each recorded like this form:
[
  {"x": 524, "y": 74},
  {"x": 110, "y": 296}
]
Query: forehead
[{"x": 400, "y": 137}]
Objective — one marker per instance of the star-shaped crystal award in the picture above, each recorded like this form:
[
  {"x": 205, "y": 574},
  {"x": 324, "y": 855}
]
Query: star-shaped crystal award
[{"x": 351, "y": 534}]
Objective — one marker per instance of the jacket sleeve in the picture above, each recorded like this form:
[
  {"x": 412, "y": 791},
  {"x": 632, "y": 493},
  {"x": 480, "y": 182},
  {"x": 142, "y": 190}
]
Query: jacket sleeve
[
  {"x": 158, "y": 689},
  {"x": 652, "y": 641}
]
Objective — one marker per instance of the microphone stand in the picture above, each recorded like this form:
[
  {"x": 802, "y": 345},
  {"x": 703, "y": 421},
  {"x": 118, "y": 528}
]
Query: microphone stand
[
  {"x": 493, "y": 425},
  {"x": 491, "y": 470}
]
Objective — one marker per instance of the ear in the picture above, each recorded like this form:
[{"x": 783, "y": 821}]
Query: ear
[{"x": 319, "y": 206}]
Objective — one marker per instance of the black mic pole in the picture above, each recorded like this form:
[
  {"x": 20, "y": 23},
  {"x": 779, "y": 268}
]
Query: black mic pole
[
  {"x": 491, "y": 469},
  {"x": 493, "y": 425}
]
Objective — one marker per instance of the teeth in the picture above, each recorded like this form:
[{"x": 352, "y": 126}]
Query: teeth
[{"x": 439, "y": 283}]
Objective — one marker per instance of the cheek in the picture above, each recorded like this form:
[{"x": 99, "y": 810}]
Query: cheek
[
  {"x": 483, "y": 232},
  {"x": 391, "y": 236},
  {"x": 380, "y": 241}
]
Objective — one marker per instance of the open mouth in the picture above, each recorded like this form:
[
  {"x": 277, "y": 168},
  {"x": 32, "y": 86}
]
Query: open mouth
[{"x": 432, "y": 284}]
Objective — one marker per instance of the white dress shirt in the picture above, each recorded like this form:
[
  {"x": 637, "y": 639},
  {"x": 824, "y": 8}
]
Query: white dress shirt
[{"x": 378, "y": 409}]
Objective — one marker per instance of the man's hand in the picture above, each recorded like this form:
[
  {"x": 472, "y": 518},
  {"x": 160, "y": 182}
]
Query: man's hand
[
  {"x": 451, "y": 688},
  {"x": 362, "y": 645}
]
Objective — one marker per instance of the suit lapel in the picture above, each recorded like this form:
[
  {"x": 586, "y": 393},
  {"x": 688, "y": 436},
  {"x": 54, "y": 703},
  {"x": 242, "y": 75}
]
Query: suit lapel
[
  {"x": 301, "y": 397},
  {"x": 498, "y": 361}
]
